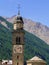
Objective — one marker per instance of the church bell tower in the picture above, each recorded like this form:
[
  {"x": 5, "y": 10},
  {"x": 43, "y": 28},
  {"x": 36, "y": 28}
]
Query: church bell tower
[{"x": 18, "y": 41}]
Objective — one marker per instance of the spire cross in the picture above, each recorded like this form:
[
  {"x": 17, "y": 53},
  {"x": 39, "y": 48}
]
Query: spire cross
[{"x": 18, "y": 9}]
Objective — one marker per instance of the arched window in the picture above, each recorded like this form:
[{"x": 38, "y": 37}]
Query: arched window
[{"x": 17, "y": 40}]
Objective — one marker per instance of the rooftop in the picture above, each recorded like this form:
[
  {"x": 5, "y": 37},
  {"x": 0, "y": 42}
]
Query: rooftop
[{"x": 36, "y": 59}]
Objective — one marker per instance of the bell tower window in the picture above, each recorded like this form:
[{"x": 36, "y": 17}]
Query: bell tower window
[
  {"x": 17, "y": 40},
  {"x": 17, "y": 57}
]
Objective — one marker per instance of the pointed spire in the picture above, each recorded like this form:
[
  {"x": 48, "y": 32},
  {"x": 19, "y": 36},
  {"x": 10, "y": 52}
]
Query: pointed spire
[{"x": 18, "y": 9}]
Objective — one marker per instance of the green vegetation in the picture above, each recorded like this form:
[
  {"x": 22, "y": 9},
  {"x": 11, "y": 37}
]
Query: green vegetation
[{"x": 33, "y": 45}]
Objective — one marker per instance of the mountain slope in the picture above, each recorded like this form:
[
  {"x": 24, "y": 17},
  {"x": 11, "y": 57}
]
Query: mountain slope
[
  {"x": 33, "y": 45},
  {"x": 5, "y": 23},
  {"x": 5, "y": 43},
  {"x": 35, "y": 28}
]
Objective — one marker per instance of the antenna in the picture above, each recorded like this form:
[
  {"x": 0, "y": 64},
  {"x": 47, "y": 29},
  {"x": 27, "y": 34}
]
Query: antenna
[{"x": 18, "y": 9}]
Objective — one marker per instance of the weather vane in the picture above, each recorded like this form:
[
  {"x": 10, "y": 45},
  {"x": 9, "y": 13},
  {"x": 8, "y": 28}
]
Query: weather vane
[{"x": 18, "y": 9}]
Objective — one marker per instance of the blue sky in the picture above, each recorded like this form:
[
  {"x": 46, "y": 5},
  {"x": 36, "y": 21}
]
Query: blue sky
[{"x": 36, "y": 10}]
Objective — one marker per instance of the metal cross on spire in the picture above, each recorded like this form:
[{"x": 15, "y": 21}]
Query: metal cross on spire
[{"x": 18, "y": 9}]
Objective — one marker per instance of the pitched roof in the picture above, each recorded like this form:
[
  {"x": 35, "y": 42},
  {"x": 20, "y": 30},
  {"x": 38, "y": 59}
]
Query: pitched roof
[{"x": 36, "y": 59}]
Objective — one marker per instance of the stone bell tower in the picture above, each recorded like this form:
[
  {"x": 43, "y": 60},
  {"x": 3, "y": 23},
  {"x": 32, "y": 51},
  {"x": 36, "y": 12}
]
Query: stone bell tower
[{"x": 18, "y": 41}]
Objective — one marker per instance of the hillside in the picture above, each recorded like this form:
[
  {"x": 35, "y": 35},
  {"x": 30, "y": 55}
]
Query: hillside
[
  {"x": 35, "y": 28},
  {"x": 33, "y": 44}
]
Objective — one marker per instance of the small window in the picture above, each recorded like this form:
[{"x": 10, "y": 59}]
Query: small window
[
  {"x": 17, "y": 63},
  {"x": 17, "y": 57},
  {"x": 5, "y": 62},
  {"x": 17, "y": 40}
]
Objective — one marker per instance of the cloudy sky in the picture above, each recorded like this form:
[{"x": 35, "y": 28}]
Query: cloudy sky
[{"x": 36, "y": 10}]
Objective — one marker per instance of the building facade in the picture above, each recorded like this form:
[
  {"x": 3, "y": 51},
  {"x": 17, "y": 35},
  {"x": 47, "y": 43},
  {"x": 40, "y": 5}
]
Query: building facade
[{"x": 18, "y": 41}]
